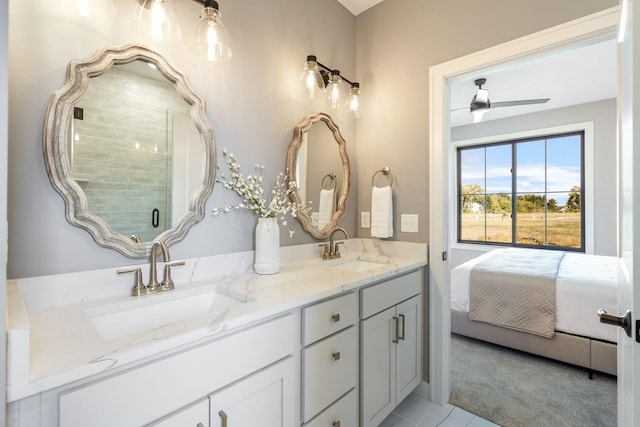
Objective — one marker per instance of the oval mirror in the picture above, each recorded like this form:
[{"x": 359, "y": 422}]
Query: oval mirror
[
  {"x": 128, "y": 146},
  {"x": 317, "y": 161}
]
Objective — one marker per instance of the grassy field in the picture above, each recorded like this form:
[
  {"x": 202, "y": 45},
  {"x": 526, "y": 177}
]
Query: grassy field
[{"x": 562, "y": 229}]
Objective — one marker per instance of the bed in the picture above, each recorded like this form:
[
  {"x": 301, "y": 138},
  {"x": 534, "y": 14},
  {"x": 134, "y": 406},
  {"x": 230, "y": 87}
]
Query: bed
[{"x": 583, "y": 284}]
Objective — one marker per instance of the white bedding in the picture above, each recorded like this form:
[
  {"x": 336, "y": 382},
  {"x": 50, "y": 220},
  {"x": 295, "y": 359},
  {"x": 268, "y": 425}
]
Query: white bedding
[{"x": 584, "y": 284}]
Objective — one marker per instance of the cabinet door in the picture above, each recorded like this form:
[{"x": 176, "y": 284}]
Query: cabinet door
[
  {"x": 409, "y": 347},
  {"x": 194, "y": 416},
  {"x": 263, "y": 399},
  {"x": 378, "y": 366}
]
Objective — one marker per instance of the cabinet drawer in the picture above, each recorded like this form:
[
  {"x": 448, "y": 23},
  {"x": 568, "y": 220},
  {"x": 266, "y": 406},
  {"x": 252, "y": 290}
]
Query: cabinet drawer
[
  {"x": 329, "y": 370},
  {"x": 328, "y": 317},
  {"x": 343, "y": 413},
  {"x": 386, "y": 294}
]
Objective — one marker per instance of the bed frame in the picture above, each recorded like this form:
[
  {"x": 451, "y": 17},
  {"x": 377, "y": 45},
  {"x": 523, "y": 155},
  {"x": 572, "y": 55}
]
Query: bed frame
[{"x": 592, "y": 354}]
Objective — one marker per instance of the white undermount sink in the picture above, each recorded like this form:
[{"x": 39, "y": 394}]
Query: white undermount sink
[
  {"x": 152, "y": 311},
  {"x": 358, "y": 263}
]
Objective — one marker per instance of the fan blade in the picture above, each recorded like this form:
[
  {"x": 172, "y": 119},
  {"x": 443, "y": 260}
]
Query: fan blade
[{"x": 520, "y": 102}]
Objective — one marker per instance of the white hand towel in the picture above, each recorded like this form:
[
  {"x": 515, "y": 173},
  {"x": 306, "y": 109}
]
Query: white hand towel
[
  {"x": 381, "y": 212},
  {"x": 325, "y": 207}
]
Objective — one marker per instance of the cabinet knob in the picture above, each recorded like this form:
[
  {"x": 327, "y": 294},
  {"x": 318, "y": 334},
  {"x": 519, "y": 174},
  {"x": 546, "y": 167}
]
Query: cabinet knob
[
  {"x": 336, "y": 356},
  {"x": 336, "y": 423},
  {"x": 335, "y": 317}
]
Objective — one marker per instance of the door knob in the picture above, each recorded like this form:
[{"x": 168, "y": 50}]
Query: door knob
[{"x": 623, "y": 321}]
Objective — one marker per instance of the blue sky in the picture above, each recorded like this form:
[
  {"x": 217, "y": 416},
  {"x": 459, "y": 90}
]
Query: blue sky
[{"x": 562, "y": 169}]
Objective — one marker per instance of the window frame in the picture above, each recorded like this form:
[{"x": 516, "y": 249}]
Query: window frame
[{"x": 587, "y": 184}]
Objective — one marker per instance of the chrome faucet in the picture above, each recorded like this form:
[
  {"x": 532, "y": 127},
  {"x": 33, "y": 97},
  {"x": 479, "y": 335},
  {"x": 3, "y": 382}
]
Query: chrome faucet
[
  {"x": 332, "y": 250},
  {"x": 154, "y": 286},
  {"x": 167, "y": 284}
]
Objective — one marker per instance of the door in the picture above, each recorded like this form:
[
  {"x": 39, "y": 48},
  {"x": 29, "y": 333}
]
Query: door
[
  {"x": 263, "y": 399},
  {"x": 378, "y": 365},
  {"x": 408, "y": 349},
  {"x": 629, "y": 227}
]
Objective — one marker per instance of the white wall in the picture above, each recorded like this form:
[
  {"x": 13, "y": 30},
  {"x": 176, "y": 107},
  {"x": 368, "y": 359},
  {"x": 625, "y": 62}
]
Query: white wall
[
  {"x": 604, "y": 118},
  {"x": 252, "y": 102}
]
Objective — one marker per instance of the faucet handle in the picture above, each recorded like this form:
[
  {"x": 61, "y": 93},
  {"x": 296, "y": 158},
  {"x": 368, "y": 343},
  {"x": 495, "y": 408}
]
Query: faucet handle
[
  {"x": 336, "y": 249},
  {"x": 325, "y": 251},
  {"x": 167, "y": 281},
  {"x": 138, "y": 288}
]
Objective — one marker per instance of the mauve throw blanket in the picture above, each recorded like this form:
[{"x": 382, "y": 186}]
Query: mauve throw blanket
[{"x": 516, "y": 289}]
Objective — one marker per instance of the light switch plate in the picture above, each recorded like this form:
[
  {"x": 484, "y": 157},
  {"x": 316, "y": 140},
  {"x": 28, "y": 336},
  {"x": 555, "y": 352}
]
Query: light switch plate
[
  {"x": 409, "y": 223},
  {"x": 365, "y": 219}
]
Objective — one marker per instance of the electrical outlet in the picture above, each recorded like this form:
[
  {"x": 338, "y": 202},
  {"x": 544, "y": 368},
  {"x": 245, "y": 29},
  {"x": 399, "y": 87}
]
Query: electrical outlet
[
  {"x": 365, "y": 219},
  {"x": 409, "y": 223}
]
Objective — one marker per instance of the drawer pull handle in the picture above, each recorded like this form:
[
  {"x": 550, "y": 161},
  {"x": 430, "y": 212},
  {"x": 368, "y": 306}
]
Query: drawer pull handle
[
  {"x": 336, "y": 423},
  {"x": 223, "y": 419},
  {"x": 401, "y": 337},
  {"x": 336, "y": 356},
  {"x": 396, "y": 338},
  {"x": 335, "y": 317}
]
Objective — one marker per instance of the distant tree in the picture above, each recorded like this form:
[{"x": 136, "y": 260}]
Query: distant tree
[
  {"x": 573, "y": 202},
  {"x": 552, "y": 205},
  {"x": 470, "y": 195}
]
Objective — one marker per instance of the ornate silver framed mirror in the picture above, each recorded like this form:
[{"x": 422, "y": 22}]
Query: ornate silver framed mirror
[
  {"x": 128, "y": 146},
  {"x": 317, "y": 161}
]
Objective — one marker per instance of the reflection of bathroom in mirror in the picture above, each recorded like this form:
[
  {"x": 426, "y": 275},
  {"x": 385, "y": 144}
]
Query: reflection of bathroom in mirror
[
  {"x": 318, "y": 162},
  {"x": 130, "y": 149},
  {"x": 131, "y": 125}
]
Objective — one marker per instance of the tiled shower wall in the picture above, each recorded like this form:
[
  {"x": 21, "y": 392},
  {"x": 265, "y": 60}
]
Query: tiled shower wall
[{"x": 122, "y": 149}]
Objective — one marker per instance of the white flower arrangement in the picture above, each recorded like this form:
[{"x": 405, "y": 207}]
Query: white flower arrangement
[{"x": 250, "y": 190}]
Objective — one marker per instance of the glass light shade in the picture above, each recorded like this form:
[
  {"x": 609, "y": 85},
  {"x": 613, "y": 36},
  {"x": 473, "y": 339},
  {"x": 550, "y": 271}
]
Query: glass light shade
[
  {"x": 212, "y": 38},
  {"x": 311, "y": 81},
  {"x": 95, "y": 8},
  {"x": 336, "y": 93},
  {"x": 158, "y": 19},
  {"x": 354, "y": 100}
]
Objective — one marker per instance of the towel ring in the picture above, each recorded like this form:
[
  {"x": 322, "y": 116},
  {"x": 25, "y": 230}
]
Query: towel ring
[
  {"x": 386, "y": 172},
  {"x": 332, "y": 177}
]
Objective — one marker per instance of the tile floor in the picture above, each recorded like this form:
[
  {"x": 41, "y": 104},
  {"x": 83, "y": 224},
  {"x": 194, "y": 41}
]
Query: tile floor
[{"x": 417, "y": 411}]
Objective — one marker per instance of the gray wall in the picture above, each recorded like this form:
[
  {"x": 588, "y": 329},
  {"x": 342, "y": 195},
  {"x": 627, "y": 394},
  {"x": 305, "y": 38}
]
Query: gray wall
[
  {"x": 397, "y": 42},
  {"x": 252, "y": 102},
  {"x": 604, "y": 118}
]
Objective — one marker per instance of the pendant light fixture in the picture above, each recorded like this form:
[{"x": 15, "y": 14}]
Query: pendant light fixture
[
  {"x": 158, "y": 19},
  {"x": 311, "y": 80},
  {"x": 336, "y": 93},
  {"x": 317, "y": 79},
  {"x": 212, "y": 38}
]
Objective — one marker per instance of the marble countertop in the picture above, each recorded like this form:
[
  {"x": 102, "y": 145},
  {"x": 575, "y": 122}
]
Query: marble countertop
[{"x": 65, "y": 341}]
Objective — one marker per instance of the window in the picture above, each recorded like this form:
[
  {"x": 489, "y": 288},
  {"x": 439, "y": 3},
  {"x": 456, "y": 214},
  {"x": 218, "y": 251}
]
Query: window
[{"x": 525, "y": 192}]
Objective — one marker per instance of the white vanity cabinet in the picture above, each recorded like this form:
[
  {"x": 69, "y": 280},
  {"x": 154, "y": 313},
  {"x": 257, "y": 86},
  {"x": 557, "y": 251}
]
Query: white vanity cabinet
[
  {"x": 391, "y": 345},
  {"x": 196, "y": 415},
  {"x": 330, "y": 363},
  {"x": 264, "y": 399},
  {"x": 242, "y": 368}
]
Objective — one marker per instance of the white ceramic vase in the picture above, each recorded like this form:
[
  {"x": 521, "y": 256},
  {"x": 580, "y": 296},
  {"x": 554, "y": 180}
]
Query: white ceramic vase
[{"x": 267, "y": 258}]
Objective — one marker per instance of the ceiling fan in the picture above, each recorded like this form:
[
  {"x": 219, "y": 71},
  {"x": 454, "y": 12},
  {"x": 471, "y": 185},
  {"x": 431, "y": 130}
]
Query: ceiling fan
[{"x": 480, "y": 103}]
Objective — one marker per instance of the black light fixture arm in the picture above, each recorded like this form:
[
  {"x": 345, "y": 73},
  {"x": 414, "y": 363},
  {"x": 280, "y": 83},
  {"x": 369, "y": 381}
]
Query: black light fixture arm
[
  {"x": 208, "y": 3},
  {"x": 329, "y": 70}
]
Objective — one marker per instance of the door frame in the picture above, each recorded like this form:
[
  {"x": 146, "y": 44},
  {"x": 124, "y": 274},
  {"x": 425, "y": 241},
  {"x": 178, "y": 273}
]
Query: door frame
[{"x": 589, "y": 29}]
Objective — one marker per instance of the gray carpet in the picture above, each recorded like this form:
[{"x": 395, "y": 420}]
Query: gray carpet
[{"x": 514, "y": 389}]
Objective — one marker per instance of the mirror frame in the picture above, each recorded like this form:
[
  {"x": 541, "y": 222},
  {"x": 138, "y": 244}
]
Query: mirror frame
[
  {"x": 57, "y": 157},
  {"x": 292, "y": 155}
]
